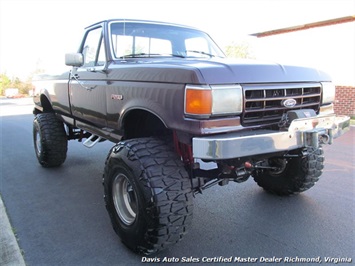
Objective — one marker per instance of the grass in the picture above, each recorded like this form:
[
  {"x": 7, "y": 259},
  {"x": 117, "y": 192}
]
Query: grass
[{"x": 352, "y": 120}]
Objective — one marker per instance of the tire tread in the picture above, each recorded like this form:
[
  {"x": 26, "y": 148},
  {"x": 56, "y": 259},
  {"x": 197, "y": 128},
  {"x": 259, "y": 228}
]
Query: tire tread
[
  {"x": 53, "y": 140},
  {"x": 162, "y": 172},
  {"x": 302, "y": 175}
]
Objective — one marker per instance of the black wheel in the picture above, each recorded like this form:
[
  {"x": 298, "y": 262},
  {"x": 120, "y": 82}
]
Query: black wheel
[
  {"x": 147, "y": 194},
  {"x": 50, "y": 140},
  {"x": 294, "y": 175}
]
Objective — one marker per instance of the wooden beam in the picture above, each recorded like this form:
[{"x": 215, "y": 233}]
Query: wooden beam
[{"x": 307, "y": 26}]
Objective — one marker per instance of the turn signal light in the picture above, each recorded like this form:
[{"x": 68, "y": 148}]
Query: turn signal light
[{"x": 198, "y": 101}]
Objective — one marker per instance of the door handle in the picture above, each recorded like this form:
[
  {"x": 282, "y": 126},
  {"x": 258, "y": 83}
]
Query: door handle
[{"x": 76, "y": 77}]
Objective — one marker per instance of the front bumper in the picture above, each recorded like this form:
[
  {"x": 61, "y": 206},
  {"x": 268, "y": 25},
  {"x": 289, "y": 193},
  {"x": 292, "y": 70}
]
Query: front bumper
[{"x": 305, "y": 132}]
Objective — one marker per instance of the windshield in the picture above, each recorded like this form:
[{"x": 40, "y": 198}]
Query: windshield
[{"x": 139, "y": 39}]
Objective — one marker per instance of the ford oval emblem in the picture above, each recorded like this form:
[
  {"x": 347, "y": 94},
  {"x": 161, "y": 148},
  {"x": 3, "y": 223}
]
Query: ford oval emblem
[{"x": 289, "y": 103}]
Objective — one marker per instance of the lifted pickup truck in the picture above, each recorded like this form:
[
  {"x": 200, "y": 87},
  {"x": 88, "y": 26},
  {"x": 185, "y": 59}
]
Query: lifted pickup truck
[{"x": 184, "y": 118}]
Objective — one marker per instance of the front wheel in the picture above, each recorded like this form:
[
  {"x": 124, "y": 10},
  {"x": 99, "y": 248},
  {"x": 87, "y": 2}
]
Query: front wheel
[
  {"x": 294, "y": 175},
  {"x": 148, "y": 194}
]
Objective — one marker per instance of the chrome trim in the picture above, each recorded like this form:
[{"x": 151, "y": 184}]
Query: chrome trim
[
  {"x": 196, "y": 87},
  {"x": 228, "y": 96},
  {"x": 227, "y": 99},
  {"x": 263, "y": 103},
  {"x": 123, "y": 21},
  {"x": 301, "y": 133},
  {"x": 326, "y": 109},
  {"x": 328, "y": 95}
]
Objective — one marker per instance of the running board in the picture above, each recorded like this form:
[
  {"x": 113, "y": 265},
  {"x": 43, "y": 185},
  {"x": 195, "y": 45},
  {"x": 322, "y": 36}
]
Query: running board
[{"x": 91, "y": 141}]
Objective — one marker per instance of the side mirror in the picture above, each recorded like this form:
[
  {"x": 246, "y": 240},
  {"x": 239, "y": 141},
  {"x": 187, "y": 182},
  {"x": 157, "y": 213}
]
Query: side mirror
[{"x": 74, "y": 59}]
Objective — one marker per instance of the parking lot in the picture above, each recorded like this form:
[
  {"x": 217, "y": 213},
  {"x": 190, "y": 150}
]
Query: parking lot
[{"x": 59, "y": 215}]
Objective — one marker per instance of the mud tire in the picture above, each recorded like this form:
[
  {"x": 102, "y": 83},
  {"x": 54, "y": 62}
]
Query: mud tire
[
  {"x": 299, "y": 174},
  {"x": 154, "y": 206},
  {"x": 50, "y": 140}
]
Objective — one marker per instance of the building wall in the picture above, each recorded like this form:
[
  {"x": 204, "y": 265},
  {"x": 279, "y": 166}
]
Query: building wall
[{"x": 345, "y": 100}]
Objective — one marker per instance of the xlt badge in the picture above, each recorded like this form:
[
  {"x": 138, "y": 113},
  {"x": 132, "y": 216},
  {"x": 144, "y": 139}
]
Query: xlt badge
[{"x": 116, "y": 97}]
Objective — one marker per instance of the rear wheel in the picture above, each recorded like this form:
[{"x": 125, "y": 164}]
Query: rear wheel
[
  {"x": 147, "y": 194},
  {"x": 293, "y": 175},
  {"x": 50, "y": 140}
]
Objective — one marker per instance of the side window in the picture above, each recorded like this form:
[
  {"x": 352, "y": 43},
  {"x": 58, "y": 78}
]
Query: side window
[{"x": 94, "y": 49}]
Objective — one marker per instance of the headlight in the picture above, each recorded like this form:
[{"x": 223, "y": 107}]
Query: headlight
[
  {"x": 227, "y": 99},
  {"x": 328, "y": 92},
  {"x": 213, "y": 100}
]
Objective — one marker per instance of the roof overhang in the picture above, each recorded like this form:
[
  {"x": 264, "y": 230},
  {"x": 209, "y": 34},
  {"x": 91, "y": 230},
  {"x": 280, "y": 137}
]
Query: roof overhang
[{"x": 305, "y": 26}]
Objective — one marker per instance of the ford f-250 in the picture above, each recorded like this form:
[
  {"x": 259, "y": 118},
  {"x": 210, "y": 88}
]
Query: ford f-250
[{"x": 184, "y": 118}]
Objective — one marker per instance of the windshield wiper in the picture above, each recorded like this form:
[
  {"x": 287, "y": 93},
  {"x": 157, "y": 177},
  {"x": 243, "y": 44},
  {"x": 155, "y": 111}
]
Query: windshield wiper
[
  {"x": 138, "y": 55},
  {"x": 200, "y": 52}
]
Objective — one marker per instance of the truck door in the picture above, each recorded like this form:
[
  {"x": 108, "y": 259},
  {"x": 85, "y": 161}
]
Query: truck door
[{"x": 88, "y": 83}]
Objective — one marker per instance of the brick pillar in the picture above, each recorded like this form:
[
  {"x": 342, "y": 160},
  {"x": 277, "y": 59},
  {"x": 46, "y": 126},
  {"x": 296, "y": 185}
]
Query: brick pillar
[{"x": 345, "y": 100}]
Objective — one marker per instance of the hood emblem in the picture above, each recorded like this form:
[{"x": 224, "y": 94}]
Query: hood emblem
[{"x": 289, "y": 103}]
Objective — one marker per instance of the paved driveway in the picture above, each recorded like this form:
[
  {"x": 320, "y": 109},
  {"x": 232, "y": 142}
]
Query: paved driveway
[{"x": 60, "y": 219}]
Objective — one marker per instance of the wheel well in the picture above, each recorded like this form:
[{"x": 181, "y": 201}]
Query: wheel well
[
  {"x": 141, "y": 123},
  {"x": 47, "y": 107}
]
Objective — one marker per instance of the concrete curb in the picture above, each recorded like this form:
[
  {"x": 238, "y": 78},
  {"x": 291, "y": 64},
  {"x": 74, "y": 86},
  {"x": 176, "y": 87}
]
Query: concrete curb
[{"x": 10, "y": 253}]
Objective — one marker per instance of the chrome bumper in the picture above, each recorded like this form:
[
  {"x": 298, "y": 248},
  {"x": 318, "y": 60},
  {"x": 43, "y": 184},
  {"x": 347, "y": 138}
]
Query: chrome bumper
[{"x": 305, "y": 132}]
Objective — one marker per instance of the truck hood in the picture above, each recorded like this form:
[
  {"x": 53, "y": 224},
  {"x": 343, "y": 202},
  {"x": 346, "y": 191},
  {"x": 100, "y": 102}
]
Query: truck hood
[
  {"x": 252, "y": 71},
  {"x": 215, "y": 71}
]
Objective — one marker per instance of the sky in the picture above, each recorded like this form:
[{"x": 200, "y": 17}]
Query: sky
[{"x": 37, "y": 33}]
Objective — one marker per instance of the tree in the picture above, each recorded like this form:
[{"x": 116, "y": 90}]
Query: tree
[{"x": 5, "y": 82}]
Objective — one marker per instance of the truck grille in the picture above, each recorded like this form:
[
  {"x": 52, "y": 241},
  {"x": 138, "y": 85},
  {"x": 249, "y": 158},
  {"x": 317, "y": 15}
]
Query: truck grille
[{"x": 263, "y": 102}]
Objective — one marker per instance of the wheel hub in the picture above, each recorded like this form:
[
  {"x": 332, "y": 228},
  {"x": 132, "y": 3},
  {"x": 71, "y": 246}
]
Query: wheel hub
[
  {"x": 279, "y": 164},
  {"x": 38, "y": 142},
  {"x": 124, "y": 199}
]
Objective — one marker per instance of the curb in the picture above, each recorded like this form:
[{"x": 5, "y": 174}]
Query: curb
[{"x": 10, "y": 253}]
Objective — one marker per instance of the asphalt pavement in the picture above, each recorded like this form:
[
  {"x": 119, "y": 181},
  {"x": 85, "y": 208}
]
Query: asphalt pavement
[{"x": 59, "y": 218}]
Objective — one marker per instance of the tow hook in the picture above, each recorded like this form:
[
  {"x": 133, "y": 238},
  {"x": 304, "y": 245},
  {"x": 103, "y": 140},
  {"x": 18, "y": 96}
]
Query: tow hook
[
  {"x": 324, "y": 139},
  {"x": 317, "y": 137},
  {"x": 238, "y": 175}
]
